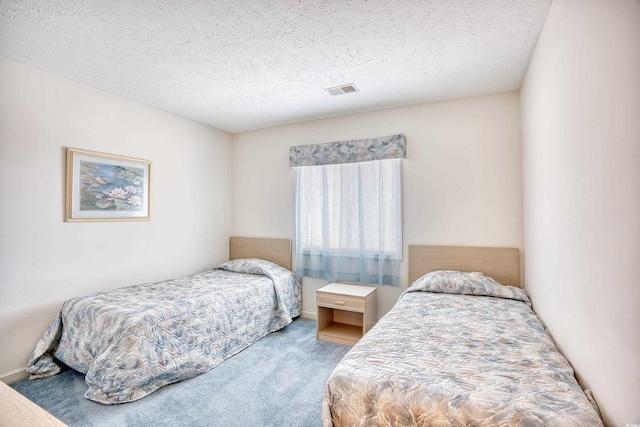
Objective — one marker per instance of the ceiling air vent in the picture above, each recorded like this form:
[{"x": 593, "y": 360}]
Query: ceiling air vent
[{"x": 340, "y": 90}]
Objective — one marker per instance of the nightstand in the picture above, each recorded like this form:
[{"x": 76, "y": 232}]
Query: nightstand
[{"x": 345, "y": 312}]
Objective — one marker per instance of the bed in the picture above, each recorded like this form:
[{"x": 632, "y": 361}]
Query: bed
[
  {"x": 131, "y": 341},
  {"x": 458, "y": 349}
]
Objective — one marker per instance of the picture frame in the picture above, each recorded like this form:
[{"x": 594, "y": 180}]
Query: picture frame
[{"x": 106, "y": 187}]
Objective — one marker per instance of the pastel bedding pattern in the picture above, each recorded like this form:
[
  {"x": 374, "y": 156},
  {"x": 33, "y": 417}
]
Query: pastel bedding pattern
[
  {"x": 131, "y": 341},
  {"x": 458, "y": 359},
  {"x": 464, "y": 283}
]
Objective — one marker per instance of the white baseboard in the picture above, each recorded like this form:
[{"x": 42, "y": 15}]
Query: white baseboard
[
  {"x": 309, "y": 315},
  {"x": 13, "y": 376}
]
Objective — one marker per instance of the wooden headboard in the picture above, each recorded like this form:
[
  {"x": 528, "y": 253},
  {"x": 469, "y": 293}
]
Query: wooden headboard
[
  {"x": 502, "y": 264},
  {"x": 277, "y": 251}
]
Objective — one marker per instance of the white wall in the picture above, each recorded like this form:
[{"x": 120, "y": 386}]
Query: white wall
[
  {"x": 43, "y": 260},
  {"x": 462, "y": 176},
  {"x": 581, "y": 151}
]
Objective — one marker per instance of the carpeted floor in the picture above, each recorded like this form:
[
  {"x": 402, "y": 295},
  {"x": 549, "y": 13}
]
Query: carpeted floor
[{"x": 278, "y": 381}]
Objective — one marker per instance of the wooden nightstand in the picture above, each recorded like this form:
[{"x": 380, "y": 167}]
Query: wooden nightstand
[{"x": 345, "y": 312}]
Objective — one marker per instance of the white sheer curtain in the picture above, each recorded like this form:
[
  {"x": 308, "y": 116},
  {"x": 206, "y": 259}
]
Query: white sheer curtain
[{"x": 349, "y": 221}]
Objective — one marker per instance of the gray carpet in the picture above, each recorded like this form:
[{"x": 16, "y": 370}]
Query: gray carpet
[{"x": 278, "y": 381}]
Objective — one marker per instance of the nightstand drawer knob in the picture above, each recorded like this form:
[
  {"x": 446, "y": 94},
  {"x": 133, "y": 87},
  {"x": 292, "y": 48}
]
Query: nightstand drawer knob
[{"x": 338, "y": 302}]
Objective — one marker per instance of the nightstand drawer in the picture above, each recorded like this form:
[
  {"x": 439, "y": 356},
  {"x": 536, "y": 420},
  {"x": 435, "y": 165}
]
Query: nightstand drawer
[{"x": 340, "y": 302}]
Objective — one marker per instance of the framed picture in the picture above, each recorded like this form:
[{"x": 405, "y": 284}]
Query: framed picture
[{"x": 106, "y": 187}]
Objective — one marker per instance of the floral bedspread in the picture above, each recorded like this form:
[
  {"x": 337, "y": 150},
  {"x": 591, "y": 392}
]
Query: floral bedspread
[
  {"x": 457, "y": 351},
  {"x": 131, "y": 341}
]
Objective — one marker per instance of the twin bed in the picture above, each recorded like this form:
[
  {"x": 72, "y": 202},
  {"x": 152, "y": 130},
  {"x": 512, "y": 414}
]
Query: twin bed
[
  {"x": 131, "y": 341},
  {"x": 458, "y": 349}
]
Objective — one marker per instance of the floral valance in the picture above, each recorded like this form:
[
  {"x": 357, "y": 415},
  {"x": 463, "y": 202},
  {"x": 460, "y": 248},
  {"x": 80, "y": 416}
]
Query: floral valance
[{"x": 357, "y": 150}]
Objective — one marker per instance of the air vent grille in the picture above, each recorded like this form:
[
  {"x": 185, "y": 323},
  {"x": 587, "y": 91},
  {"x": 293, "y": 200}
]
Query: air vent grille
[{"x": 341, "y": 90}]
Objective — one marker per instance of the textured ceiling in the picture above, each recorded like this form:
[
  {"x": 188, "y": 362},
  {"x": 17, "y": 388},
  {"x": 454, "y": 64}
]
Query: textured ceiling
[{"x": 250, "y": 64}]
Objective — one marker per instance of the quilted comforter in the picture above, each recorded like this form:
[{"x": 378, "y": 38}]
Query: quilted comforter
[
  {"x": 131, "y": 341},
  {"x": 457, "y": 349}
]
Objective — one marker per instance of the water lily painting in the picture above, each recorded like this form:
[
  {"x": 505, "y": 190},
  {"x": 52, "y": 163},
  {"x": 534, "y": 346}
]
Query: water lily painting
[{"x": 106, "y": 187}]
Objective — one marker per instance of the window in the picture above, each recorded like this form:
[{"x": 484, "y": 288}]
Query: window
[
  {"x": 349, "y": 221},
  {"x": 351, "y": 208}
]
